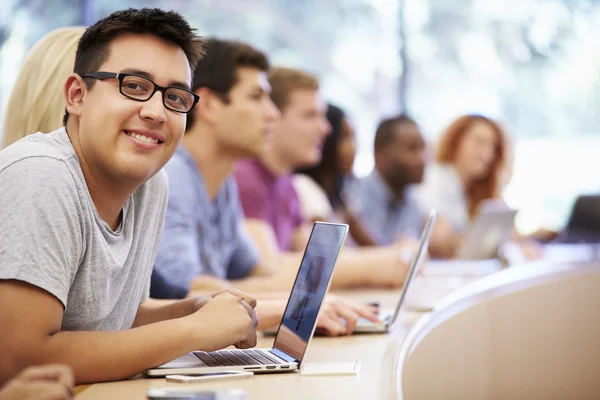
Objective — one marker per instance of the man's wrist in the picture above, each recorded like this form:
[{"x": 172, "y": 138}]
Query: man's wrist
[
  {"x": 190, "y": 333},
  {"x": 192, "y": 306}
]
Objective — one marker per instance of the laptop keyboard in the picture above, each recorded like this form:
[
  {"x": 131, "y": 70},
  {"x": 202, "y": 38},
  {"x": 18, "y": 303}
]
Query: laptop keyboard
[{"x": 229, "y": 358}]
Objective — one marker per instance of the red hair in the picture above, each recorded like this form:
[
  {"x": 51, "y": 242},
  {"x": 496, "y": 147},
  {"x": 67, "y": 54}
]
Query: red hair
[{"x": 490, "y": 186}]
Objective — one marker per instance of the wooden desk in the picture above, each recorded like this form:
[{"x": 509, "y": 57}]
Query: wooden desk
[{"x": 377, "y": 353}]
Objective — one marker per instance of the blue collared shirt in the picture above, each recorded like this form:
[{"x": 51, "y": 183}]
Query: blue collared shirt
[
  {"x": 386, "y": 219},
  {"x": 202, "y": 237}
]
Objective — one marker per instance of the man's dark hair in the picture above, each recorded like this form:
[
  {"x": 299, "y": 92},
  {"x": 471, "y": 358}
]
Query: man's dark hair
[
  {"x": 217, "y": 70},
  {"x": 386, "y": 131},
  {"x": 170, "y": 26}
]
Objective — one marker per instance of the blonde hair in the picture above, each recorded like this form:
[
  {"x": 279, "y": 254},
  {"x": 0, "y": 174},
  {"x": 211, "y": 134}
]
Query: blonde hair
[
  {"x": 37, "y": 102},
  {"x": 284, "y": 81}
]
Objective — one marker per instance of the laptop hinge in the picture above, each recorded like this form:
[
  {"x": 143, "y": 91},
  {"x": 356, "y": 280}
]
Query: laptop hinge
[{"x": 283, "y": 355}]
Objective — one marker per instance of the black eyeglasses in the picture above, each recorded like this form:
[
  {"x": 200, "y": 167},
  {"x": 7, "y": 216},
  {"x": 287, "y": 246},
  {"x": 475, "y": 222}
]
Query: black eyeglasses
[{"x": 139, "y": 88}]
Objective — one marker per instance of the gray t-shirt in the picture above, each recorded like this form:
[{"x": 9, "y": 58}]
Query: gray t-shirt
[{"x": 52, "y": 237}]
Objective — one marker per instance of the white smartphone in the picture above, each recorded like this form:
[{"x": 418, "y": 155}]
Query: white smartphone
[
  {"x": 209, "y": 376},
  {"x": 330, "y": 368},
  {"x": 190, "y": 394}
]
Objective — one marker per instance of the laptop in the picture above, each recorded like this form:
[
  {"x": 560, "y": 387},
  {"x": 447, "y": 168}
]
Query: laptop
[
  {"x": 490, "y": 230},
  {"x": 297, "y": 325},
  {"x": 389, "y": 316},
  {"x": 584, "y": 222}
]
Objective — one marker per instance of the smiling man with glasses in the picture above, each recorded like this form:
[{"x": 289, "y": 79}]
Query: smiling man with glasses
[{"x": 83, "y": 209}]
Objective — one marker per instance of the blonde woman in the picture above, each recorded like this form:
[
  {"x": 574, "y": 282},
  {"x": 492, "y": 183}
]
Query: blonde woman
[{"x": 37, "y": 103}]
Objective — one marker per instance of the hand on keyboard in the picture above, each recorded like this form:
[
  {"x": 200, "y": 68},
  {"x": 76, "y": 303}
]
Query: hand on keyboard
[
  {"x": 201, "y": 301},
  {"x": 339, "y": 317},
  {"x": 225, "y": 319}
]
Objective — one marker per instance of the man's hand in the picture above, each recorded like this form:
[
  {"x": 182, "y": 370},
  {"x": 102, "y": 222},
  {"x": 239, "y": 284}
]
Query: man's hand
[
  {"x": 224, "y": 319},
  {"x": 390, "y": 274},
  {"x": 444, "y": 242},
  {"x": 202, "y": 301},
  {"x": 339, "y": 317},
  {"x": 48, "y": 382},
  {"x": 531, "y": 250},
  {"x": 408, "y": 248}
]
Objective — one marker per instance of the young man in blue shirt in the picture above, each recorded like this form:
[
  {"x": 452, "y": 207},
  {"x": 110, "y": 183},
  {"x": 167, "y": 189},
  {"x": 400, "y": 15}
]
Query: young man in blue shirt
[{"x": 205, "y": 245}]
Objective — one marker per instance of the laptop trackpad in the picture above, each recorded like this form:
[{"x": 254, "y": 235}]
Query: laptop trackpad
[{"x": 187, "y": 361}]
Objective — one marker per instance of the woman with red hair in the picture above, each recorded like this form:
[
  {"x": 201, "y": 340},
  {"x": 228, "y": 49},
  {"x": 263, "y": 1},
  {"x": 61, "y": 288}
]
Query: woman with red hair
[{"x": 471, "y": 166}]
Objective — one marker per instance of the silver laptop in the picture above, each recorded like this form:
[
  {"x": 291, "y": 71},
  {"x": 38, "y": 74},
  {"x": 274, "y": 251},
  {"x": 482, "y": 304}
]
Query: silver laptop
[
  {"x": 490, "y": 230},
  {"x": 297, "y": 325},
  {"x": 388, "y": 316}
]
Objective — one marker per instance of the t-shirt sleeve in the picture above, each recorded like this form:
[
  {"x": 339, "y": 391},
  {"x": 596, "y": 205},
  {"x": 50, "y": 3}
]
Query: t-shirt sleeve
[
  {"x": 366, "y": 208},
  {"x": 353, "y": 197},
  {"x": 252, "y": 194},
  {"x": 245, "y": 256},
  {"x": 160, "y": 288},
  {"x": 442, "y": 190},
  {"x": 295, "y": 209},
  {"x": 417, "y": 216},
  {"x": 432, "y": 192},
  {"x": 354, "y": 200},
  {"x": 42, "y": 231},
  {"x": 178, "y": 257}
]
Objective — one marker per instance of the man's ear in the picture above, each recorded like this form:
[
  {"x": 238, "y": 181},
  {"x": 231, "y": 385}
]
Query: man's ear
[
  {"x": 210, "y": 105},
  {"x": 75, "y": 91}
]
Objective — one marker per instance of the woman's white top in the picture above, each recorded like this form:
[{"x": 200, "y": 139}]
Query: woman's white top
[
  {"x": 443, "y": 190},
  {"x": 314, "y": 203}
]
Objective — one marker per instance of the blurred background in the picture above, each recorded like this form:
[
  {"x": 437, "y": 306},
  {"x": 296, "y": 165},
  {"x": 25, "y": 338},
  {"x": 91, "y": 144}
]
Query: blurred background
[{"x": 532, "y": 64}]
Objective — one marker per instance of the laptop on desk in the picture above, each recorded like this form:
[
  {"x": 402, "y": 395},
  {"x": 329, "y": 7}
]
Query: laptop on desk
[
  {"x": 389, "y": 316},
  {"x": 584, "y": 222},
  {"x": 490, "y": 230},
  {"x": 297, "y": 325}
]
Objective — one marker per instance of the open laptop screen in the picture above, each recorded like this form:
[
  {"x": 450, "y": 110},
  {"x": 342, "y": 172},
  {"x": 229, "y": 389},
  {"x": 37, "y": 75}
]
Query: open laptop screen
[
  {"x": 300, "y": 316},
  {"x": 416, "y": 263}
]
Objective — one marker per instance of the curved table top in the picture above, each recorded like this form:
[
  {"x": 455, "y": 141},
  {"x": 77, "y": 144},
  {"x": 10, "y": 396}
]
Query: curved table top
[{"x": 474, "y": 309}]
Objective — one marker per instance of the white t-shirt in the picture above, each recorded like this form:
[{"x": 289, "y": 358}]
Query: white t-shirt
[
  {"x": 314, "y": 203},
  {"x": 443, "y": 190}
]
